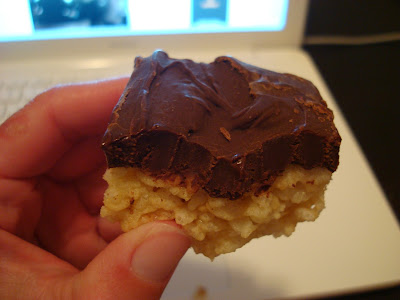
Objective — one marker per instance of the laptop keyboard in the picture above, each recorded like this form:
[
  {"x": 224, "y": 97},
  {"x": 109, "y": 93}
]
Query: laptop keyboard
[{"x": 15, "y": 93}]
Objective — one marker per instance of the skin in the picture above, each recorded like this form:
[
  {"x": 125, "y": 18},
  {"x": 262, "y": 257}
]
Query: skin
[{"x": 53, "y": 244}]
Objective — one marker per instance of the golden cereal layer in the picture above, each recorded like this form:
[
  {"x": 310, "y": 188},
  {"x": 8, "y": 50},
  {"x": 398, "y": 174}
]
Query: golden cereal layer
[{"x": 216, "y": 225}]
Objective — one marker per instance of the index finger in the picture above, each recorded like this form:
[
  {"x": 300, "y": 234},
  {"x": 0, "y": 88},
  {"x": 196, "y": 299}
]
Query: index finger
[{"x": 33, "y": 139}]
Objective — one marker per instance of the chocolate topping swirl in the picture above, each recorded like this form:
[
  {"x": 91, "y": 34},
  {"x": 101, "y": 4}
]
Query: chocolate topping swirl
[{"x": 227, "y": 126}]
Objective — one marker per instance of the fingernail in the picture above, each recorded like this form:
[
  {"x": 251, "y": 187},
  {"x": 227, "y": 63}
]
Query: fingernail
[{"x": 159, "y": 254}]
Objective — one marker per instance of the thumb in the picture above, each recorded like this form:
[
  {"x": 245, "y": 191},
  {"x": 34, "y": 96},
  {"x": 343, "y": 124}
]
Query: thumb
[{"x": 136, "y": 265}]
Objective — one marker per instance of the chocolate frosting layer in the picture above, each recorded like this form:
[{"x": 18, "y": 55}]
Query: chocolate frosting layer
[{"x": 228, "y": 127}]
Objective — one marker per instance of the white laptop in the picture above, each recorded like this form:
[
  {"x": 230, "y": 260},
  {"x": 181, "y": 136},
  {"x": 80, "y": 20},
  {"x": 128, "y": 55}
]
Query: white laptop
[{"x": 355, "y": 243}]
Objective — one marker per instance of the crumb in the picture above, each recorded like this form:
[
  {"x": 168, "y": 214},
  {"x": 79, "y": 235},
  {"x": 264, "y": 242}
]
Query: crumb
[{"x": 200, "y": 293}]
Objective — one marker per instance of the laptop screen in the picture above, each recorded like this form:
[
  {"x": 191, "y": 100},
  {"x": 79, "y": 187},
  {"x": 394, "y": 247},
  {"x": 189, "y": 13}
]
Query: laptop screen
[{"x": 22, "y": 20}]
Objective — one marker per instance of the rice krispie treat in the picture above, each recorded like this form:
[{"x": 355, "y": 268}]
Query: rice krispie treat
[{"x": 228, "y": 150}]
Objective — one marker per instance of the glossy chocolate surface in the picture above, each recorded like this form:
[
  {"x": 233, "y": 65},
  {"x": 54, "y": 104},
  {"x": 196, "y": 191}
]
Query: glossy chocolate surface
[{"x": 228, "y": 126}]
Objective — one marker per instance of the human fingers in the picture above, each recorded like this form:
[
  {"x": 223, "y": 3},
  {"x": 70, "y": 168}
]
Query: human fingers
[
  {"x": 80, "y": 160},
  {"x": 35, "y": 138},
  {"x": 63, "y": 216},
  {"x": 65, "y": 227},
  {"x": 20, "y": 207},
  {"x": 29, "y": 272},
  {"x": 52, "y": 214},
  {"x": 136, "y": 265}
]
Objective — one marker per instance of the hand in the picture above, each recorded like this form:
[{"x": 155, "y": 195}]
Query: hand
[{"x": 53, "y": 244}]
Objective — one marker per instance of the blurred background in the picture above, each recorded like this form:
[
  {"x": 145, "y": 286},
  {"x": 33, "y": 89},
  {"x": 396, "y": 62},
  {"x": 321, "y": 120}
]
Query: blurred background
[{"x": 66, "y": 13}]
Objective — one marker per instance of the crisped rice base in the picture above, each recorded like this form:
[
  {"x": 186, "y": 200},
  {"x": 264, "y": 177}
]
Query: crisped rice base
[{"x": 216, "y": 225}]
